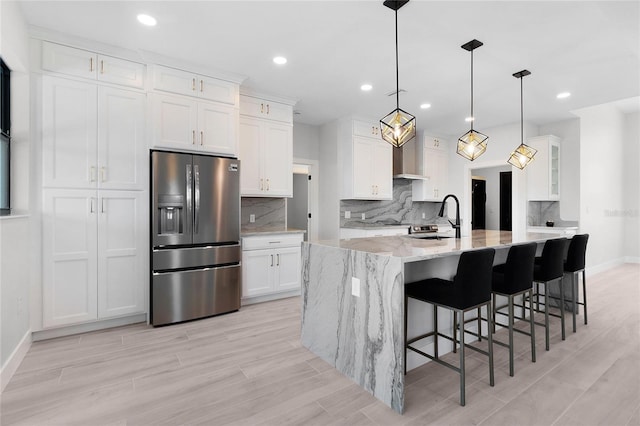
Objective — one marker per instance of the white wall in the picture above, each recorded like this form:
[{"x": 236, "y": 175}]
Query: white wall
[
  {"x": 306, "y": 141},
  {"x": 502, "y": 141},
  {"x": 492, "y": 178},
  {"x": 15, "y": 259},
  {"x": 330, "y": 183},
  {"x": 602, "y": 160},
  {"x": 631, "y": 179},
  {"x": 569, "y": 132}
]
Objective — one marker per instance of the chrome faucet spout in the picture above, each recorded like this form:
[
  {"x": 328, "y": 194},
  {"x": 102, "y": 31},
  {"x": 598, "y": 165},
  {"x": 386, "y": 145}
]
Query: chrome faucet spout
[{"x": 456, "y": 224}]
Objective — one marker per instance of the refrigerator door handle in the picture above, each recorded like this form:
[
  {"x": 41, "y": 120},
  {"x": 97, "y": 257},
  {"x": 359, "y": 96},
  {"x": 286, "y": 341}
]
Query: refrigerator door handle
[
  {"x": 189, "y": 192},
  {"x": 196, "y": 221}
]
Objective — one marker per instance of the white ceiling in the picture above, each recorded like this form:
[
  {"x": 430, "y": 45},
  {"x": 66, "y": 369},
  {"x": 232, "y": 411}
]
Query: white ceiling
[{"x": 590, "y": 49}]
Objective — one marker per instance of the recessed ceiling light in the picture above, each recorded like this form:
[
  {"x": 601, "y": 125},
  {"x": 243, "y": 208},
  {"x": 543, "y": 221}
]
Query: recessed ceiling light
[
  {"x": 147, "y": 20},
  {"x": 425, "y": 106},
  {"x": 366, "y": 87},
  {"x": 468, "y": 119},
  {"x": 563, "y": 95},
  {"x": 280, "y": 60}
]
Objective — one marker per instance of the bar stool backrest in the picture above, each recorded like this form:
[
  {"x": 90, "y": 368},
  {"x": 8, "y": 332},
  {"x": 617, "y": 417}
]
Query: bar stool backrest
[
  {"x": 552, "y": 262},
  {"x": 518, "y": 269},
  {"x": 576, "y": 254},
  {"x": 473, "y": 278}
]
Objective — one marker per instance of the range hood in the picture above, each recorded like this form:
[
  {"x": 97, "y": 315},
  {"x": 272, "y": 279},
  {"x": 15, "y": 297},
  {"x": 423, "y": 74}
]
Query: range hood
[{"x": 404, "y": 162}]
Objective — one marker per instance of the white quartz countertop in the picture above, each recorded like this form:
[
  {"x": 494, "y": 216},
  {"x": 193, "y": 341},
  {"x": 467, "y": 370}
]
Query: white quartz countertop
[
  {"x": 375, "y": 226},
  {"x": 551, "y": 228},
  {"x": 270, "y": 230},
  {"x": 415, "y": 249}
]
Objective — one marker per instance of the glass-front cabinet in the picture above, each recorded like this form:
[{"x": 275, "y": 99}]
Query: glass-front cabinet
[{"x": 543, "y": 174}]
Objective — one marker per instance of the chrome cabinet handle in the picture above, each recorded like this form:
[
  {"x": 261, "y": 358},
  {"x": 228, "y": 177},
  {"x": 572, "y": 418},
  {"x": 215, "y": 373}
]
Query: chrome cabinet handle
[
  {"x": 261, "y": 108},
  {"x": 90, "y": 64},
  {"x": 267, "y": 109},
  {"x": 193, "y": 137},
  {"x": 101, "y": 67},
  {"x": 196, "y": 178},
  {"x": 267, "y": 184},
  {"x": 201, "y": 86},
  {"x": 201, "y": 138},
  {"x": 261, "y": 185},
  {"x": 193, "y": 84},
  {"x": 102, "y": 209},
  {"x": 271, "y": 260},
  {"x": 278, "y": 256},
  {"x": 91, "y": 205}
]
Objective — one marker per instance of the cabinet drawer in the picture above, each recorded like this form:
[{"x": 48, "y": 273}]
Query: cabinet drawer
[
  {"x": 271, "y": 241},
  {"x": 366, "y": 129},
  {"x": 190, "y": 84},
  {"x": 217, "y": 90},
  {"x": 262, "y": 108},
  {"x": 119, "y": 71}
]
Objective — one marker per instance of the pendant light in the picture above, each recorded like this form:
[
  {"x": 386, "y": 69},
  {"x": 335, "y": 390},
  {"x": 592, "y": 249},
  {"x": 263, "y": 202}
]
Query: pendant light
[
  {"x": 523, "y": 154},
  {"x": 472, "y": 144},
  {"x": 398, "y": 127}
]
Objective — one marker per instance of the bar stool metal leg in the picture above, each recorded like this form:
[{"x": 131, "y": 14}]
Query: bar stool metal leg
[
  {"x": 533, "y": 333},
  {"x": 546, "y": 315},
  {"x": 574, "y": 287},
  {"x": 490, "y": 341},
  {"x": 584, "y": 294},
  {"x": 562, "y": 307},
  {"x": 462, "y": 369},
  {"x": 511, "y": 319},
  {"x": 435, "y": 329}
]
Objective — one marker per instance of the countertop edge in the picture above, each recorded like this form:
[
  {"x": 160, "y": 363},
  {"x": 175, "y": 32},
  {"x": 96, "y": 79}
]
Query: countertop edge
[{"x": 255, "y": 233}]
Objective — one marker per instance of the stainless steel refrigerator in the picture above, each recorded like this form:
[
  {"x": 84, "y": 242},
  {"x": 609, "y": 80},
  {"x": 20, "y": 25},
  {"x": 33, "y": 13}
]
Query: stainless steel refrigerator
[{"x": 196, "y": 252}]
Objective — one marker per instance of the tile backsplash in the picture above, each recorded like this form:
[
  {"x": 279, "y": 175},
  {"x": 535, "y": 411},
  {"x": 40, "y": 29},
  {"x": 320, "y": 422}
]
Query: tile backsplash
[
  {"x": 400, "y": 210},
  {"x": 269, "y": 213}
]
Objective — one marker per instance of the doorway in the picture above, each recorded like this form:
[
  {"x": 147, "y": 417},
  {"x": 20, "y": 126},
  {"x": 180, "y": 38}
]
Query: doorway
[
  {"x": 478, "y": 203},
  {"x": 505, "y": 201},
  {"x": 298, "y": 214}
]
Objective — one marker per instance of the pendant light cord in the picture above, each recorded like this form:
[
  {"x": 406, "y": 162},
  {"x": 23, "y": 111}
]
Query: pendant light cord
[
  {"x": 472, "y": 117},
  {"x": 521, "y": 113},
  {"x": 397, "y": 72}
]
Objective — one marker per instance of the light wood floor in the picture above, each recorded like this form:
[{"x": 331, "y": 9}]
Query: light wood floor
[{"x": 248, "y": 368}]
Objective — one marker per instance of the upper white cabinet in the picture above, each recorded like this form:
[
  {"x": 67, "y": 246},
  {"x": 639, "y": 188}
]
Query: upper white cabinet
[
  {"x": 367, "y": 161},
  {"x": 188, "y": 124},
  {"x": 433, "y": 163},
  {"x": 543, "y": 174},
  {"x": 93, "y": 136},
  {"x": 262, "y": 108},
  {"x": 190, "y": 84},
  {"x": 94, "y": 245},
  {"x": 83, "y": 63},
  {"x": 266, "y": 149}
]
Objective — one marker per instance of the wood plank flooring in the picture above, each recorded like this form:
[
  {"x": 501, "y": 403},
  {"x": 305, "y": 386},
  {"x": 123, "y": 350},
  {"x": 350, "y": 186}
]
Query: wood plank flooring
[{"x": 249, "y": 368}]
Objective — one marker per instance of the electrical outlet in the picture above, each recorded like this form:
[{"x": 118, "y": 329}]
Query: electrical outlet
[
  {"x": 355, "y": 286},
  {"x": 424, "y": 215},
  {"x": 363, "y": 217},
  {"x": 252, "y": 218},
  {"x": 347, "y": 214}
]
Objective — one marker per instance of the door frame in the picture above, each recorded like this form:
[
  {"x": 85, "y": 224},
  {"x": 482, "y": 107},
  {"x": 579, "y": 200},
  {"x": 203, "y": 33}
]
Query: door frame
[{"x": 314, "y": 172}]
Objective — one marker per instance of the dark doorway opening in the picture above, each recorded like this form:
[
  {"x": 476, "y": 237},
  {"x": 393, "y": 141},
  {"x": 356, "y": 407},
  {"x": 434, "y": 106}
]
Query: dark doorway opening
[
  {"x": 505, "y": 201},
  {"x": 478, "y": 204}
]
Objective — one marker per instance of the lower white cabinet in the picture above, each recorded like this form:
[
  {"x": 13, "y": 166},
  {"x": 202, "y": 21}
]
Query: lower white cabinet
[
  {"x": 94, "y": 255},
  {"x": 270, "y": 264}
]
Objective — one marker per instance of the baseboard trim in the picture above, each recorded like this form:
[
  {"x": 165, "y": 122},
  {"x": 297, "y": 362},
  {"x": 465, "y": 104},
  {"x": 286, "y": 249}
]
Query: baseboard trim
[
  {"x": 269, "y": 297},
  {"x": 604, "y": 266},
  {"x": 631, "y": 259},
  {"x": 15, "y": 359},
  {"x": 84, "y": 328}
]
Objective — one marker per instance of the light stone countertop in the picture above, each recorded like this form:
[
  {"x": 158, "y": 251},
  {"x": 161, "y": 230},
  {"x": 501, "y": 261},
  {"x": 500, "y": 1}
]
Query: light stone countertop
[
  {"x": 270, "y": 230},
  {"x": 363, "y": 225},
  {"x": 415, "y": 249}
]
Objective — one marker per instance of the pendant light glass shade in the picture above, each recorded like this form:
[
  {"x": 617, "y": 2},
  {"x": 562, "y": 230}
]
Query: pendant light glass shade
[
  {"x": 398, "y": 127},
  {"x": 523, "y": 154},
  {"x": 472, "y": 144}
]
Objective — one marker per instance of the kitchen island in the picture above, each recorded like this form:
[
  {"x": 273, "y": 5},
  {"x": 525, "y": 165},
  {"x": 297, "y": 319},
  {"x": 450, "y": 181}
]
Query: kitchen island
[{"x": 353, "y": 299}]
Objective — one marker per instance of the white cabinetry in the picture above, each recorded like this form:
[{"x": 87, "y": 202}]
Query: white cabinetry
[
  {"x": 94, "y": 246},
  {"x": 188, "y": 124},
  {"x": 367, "y": 162},
  {"x": 83, "y": 63},
  {"x": 93, "y": 136},
  {"x": 190, "y": 84},
  {"x": 263, "y": 108},
  {"x": 266, "y": 150},
  {"x": 543, "y": 174},
  {"x": 433, "y": 163},
  {"x": 271, "y": 265}
]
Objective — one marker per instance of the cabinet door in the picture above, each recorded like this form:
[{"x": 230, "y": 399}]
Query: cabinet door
[
  {"x": 251, "y": 181},
  {"x": 363, "y": 184},
  {"x": 366, "y": 129},
  {"x": 174, "y": 81},
  {"x": 278, "y": 160},
  {"x": 288, "y": 267},
  {"x": 217, "y": 90},
  {"x": 69, "y": 265},
  {"x": 119, "y": 71},
  {"x": 554, "y": 171},
  {"x": 174, "y": 122},
  {"x": 69, "y": 131},
  {"x": 258, "y": 268},
  {"x": 217, "y": 126},
  {"x": 122, "y": 243},
  {"x": 382, "y": 171},
  {"x": 68, "y": 60},
  {"x": 261, "y": 108},
  {"x": 122, "y": 147}
]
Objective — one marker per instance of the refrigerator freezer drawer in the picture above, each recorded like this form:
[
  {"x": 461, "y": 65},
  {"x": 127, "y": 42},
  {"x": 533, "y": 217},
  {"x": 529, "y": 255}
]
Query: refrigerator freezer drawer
[
  {"x": 187, "y": 295},
  {"x": 193, "y": 257}
]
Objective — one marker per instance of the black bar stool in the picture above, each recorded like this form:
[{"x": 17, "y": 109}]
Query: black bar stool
[
  {"x": 574, "y": 264},
  {"x": 515, "y": 278},
  {"x": 548, "y": 268},
  {"x": 470, "y": 289}
]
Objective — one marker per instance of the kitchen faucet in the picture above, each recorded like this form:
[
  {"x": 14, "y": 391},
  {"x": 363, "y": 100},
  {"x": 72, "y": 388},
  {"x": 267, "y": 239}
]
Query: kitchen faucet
[{"x": 455, "y": 225}]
